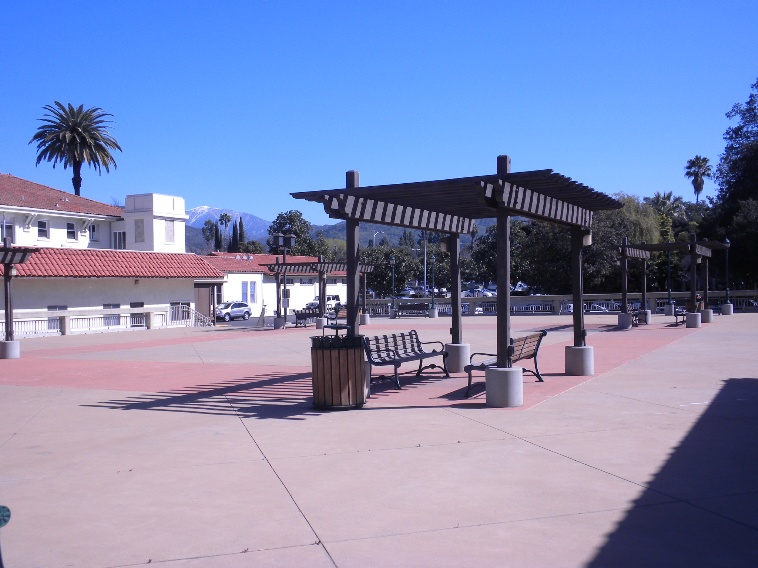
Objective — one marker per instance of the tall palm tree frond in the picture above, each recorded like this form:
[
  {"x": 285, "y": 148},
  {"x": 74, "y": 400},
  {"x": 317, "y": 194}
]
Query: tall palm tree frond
[
  {"x": 697, "y": 169},
  {"x": 75, "y": 136}
]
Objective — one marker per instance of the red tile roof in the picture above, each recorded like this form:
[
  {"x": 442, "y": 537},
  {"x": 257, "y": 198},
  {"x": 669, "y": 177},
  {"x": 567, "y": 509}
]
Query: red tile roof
[
  {"x": 17, "y": 192},
  {"x": 96, "y": 263},
  {"x": 247, "y": 263}
]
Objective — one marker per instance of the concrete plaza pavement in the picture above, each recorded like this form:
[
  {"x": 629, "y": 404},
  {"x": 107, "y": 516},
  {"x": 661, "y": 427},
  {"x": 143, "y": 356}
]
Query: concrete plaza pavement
[{"x": 200, "y": 447}]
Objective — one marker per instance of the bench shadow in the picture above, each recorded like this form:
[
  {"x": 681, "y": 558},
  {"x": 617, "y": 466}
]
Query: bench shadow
[
  {"x": 704, "y": 509},
  {"x": 270, "y": 395}
]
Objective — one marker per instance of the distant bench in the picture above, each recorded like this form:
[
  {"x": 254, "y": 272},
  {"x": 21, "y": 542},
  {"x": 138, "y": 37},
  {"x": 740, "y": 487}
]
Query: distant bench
[
  {"x": 521, "y": 348},
  {"x": 397, "y": 348},
  {"x": 303, "y": 317},
  {"x": 413, "y": 309}
]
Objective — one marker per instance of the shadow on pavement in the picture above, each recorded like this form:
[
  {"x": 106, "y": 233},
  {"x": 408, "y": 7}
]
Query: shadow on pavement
[
  {"x": 711, "y": 479},
  {"x": 272, "y": 395}
]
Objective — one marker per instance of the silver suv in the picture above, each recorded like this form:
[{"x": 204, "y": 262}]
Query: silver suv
[{"x": 233, "y": 310}]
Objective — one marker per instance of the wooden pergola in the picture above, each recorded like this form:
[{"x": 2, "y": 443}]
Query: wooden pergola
[
  {"x": 696, "y": 250},
  {"x": 452, "y": 206},
  {"x": 320, "y": 267},
  {"x": 627, "y": 252}
]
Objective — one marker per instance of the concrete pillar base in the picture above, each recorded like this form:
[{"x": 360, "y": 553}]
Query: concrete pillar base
[
  {"x": 10, "y": 350},
  {"x": 625, "y": 321},
  {"x": 279, "y": 322},
  {"x": 433, "y": 313},
  {"x": 727, "y": 309},
  {"x": 646, "y": 316},
  {"x": 580, "y": 361},
  {"x": 706, "y": 316},
  {"x": 320, "y": 323},
  {"x": 367, "y": 384},
  {"x": 693, "y": 319},
  {"x": 668, "y": 310},
  {"x": 458, "y": 355},
  {"x": 393, "y": 314},
  {"x": 505, "y": 386},
  {"x": 365, "y": 319}
]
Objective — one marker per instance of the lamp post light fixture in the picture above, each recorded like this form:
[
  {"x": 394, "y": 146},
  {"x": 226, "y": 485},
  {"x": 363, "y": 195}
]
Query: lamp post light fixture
[
  {"x": 727, "y": 244},
  {"x": 373, "y": 239},
  {"x": 392, "y": 264},
  {"x": 432, "y": 259}
]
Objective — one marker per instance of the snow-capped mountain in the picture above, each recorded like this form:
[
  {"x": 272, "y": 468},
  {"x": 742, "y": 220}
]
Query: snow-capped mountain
[{"x": 255, "y": 227}]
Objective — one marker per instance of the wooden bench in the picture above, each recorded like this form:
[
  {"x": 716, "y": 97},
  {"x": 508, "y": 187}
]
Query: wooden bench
[
  {"x": 303, "y": 317},
  {"x": 521, "y": 348},
  {"x": 413, "y": 309},
  {"x": 680, "y": 313},
  {"x": 398, "y": 348}
]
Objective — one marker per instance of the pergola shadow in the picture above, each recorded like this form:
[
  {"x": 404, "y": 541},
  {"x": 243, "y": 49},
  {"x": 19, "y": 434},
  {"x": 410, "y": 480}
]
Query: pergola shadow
[{"x": 271, "y": 395}]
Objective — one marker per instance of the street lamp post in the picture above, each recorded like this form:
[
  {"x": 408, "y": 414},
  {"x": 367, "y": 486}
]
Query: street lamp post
[
  {"x": 668, "y": 282},
  {"x": 432, "y": 258},
  {"x": 373, "y": 239},
  {"x": 392, "y": 264},
  {"x": 284, "y": 243},
  {"x": 727, "y": 244}
]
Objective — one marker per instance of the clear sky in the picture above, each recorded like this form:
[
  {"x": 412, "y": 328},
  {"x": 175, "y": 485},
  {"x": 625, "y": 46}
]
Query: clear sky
[{"x": 237, "y": 104}]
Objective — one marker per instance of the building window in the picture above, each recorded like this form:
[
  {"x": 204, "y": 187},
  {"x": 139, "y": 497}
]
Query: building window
[
  {"x": 290, "y": 281},
  {"x": 139, "y": 230},
  {"x": 7, "y": 230},
  {"x": 93, "y": 233},
  {"x": 169, "y": 231},
  {"x": 244, "y": 292},
  {"x": 71, "y": 231},
  {"x": 119, "y": 240},
  {"x": 42, "y": 232},
  {"x": 253, "y": 294},
  {"x": 331, "y": 280},
  {"x": 111, "y": 320},
  {"x": 306, "y": 281}
]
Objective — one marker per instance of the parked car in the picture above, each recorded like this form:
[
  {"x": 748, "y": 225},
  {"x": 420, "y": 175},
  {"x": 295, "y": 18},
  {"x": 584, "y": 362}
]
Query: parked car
[
  {"x": 233, "y": 310},
  {"x": 332, "y": 301}
]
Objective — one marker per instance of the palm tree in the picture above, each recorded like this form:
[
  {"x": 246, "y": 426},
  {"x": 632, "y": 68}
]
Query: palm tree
[
  {"x": 225, "y": 219},
  {"x": 667, "y": 204},
  {"x": 698, "y": 169},
  {"x": 74, "y": 136}
]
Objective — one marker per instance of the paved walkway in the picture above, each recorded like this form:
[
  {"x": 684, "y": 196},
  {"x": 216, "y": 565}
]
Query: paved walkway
[{"x": 195, "y": 447}]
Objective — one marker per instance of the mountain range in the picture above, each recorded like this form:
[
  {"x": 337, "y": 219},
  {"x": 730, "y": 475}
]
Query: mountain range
[{"x": 256, "y": 229}]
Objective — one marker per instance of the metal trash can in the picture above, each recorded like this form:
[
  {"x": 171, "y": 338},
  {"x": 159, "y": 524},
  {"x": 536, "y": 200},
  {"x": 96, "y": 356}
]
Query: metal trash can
[{"x": 338, "y": 369}]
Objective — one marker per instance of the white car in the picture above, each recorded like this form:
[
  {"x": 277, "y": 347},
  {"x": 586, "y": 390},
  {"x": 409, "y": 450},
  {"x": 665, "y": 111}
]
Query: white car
[{"x": 232, "y": 310}]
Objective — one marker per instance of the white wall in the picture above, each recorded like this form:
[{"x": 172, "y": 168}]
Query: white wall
[
  {"x": 83, "y": 293},
  {"x": 232, "y": 291},
  {"x": 155, "y": 211},
  {"x": 57, "y": 228}
]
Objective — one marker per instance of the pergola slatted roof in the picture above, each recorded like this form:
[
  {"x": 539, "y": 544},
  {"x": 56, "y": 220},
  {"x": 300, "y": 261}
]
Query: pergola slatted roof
[
  {"x": 451, "y": 205},
  {"x": 315, "y": 267}
]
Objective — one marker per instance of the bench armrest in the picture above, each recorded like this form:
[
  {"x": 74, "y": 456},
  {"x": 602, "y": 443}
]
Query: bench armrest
[
  {"x": 488, "y": 355},
  {"x": 442, "y": 345}
]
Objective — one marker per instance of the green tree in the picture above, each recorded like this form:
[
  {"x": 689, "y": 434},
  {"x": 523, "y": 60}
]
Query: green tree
[
  {"x": 74, "y": 136},
  {"x": 292, "y": 222},
  {"x": 209, "y": 231},
  {"x": 667, "y": 204},
  {"x": 697, "y": 169},
  {"x": 218, "y": 243},
  {"x": 252, "y": 247},
  {"x": 224, "y": 219},
  {"x": 406, "y": 239},
  {"x": 241, "y": 233},
  {"x": 234, "y": 242}
]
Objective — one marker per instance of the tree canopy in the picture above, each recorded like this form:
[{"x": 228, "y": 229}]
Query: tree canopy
[{"x": 74, "y": 136}]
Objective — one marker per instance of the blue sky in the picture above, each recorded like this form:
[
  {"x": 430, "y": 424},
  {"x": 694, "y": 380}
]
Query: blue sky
[{"x": 237, "y": 104}]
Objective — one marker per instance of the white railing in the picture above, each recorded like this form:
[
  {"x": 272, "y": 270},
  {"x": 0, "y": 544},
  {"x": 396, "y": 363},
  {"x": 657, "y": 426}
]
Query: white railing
[
  {"x": 742, "y": 300},
  {"x": 42, "y": 323}
]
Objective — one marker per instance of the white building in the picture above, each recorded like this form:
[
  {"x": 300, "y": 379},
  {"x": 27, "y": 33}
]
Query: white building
[
  {"x": 98, "y": 259},
  {"x": 248, "y": 279}
]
